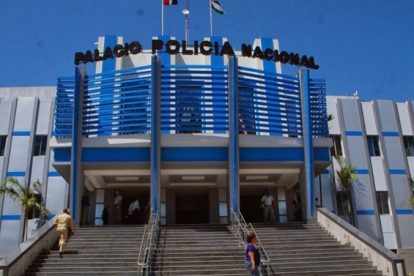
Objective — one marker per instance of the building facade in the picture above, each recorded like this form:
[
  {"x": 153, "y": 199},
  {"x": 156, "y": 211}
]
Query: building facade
[
  {"x": 193, "y": 137},
  {"x": 377, "y": 138},
  {"x": 196, "y": 137}
]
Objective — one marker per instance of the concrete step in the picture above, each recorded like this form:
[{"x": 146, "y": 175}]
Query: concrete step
[
  {"x": 202, "y": 259},
  {"x": 192, "y": 250},
  {"x": 84, "y": 269},
  {"x": 90, "y": 273},
  {"x": 321, "y": 258},
  {"x": 311, "y": 263},
  {"x": 62, "y": 263},
  {"x": 68, "y": 260},
  {"x": 308, "y": 250},
  {"x": 88, "y": 251},
  {"x": 329, "y": 271},
  {"x": 87, "y": 256},
  {"x": 202, "y": 253},
  {"x": 202, "y": 271}
]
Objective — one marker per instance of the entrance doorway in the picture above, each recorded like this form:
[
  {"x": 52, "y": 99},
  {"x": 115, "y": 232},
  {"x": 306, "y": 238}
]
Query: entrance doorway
[
  {"x": 250, "y": 203},
  {"x": 250, "y": 207},
  {"x": 192, "y": 209},
  {"x": 129, "y": 196}
]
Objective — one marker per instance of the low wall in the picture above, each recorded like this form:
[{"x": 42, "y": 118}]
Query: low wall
[
  {"x": 382, "y": 258},
  {"x": 408, "y": 255},
  {"x": 17, "y": 262}
]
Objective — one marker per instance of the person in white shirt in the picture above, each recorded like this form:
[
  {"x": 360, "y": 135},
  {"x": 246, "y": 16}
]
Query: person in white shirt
[
  {"x": 133, "y": 212},
  {"x": 118, "y": 208},
  {"x": 268, "y": 205}
]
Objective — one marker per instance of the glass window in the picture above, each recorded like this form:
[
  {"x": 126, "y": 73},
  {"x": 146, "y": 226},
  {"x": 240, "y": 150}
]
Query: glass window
[
  {"x": 382, "y": 202},
  {"x": 336, "y": 149},
  {"x": 373, "y": 146},
  {"x": 409, "y": 145},
  {"x": 188, "y": 108},
  {"x": 2, "y": 144},
  {"x": 342, "y": 199},
  {"x": 247, "y": 111},
  {"x": 40, "y": 145}
]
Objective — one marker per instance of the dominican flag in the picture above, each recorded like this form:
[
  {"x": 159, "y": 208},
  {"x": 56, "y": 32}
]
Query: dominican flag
[
  {"x": 170, "y": 2},
  {"x": 215, "y": 4}
]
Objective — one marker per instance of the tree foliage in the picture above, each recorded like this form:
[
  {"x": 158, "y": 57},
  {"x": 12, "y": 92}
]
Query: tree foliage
[
  {"x": 347, "y": 174},
  {"x": 26, "y": 195}
]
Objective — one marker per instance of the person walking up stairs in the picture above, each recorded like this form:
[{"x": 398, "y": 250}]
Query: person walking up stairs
[{"x": 64, "y": 227}]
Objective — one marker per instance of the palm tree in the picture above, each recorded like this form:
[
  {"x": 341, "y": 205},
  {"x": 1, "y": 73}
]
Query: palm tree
[
  {"x": 26, "y": 195},
  {"x": 347, "y": 177},
  {"x": 410, "y": 200}
]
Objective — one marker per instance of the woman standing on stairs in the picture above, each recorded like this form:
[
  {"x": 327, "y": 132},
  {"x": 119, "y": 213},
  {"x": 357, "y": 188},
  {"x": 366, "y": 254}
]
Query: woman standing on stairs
[{"x": 252, "y": 255}]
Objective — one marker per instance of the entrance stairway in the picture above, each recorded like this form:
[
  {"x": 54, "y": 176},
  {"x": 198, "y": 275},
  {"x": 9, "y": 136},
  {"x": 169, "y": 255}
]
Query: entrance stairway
[
  {"x": 306, "y": 249},
  {"x": 199, "y": 250},
  {"x": 108, "y": 250}
]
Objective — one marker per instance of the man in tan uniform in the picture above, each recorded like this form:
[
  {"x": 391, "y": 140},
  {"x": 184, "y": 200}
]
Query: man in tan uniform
[{"x": 64, "y": 224}]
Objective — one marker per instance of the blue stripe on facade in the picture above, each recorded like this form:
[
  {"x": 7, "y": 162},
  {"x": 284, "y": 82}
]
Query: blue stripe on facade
[
  {"x": 21, "y": 133},
  {"x": 10, "y": 217},
  {"x": 271, "y": 154},
  {"x": 165, "y": 57},
  {"x": 109, "y": 64},
  {"x": 216, "y": 62},
  {"x": 53, "y": 174},
  {"x": 397, "y": 171},
  {"x": 194, "y": 154},
  {"x": 62, "y": 154},
  {"x": 353, "y": 133},
  {"x": 390, "y": 133},
  {"x": 362, "y": 171},
  {"x": 115, "y": 154},
  {"x": 270, "y": 68},
  {"x": 365, "y": 212},
  {"x": 16, "y": 174},
  {"x": 189, "y": 154},
  {"x": 321, "y": 154},
  {"x": 404, "y": 211}
]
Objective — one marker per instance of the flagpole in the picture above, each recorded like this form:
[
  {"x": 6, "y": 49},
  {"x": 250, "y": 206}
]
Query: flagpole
[
  {"x": 186, "y": 12},
  {"x": 211, "y": 18},
  {"x": 162, "y": 17}
]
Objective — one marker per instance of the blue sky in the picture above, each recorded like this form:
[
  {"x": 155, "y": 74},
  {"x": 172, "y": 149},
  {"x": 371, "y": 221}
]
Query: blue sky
[{"x": 364, "y": 45}]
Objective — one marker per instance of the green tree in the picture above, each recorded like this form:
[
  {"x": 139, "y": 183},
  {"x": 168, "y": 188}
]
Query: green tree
[
  {"x": 347, "y": 177},
  {"x": 26, "y": 196}
]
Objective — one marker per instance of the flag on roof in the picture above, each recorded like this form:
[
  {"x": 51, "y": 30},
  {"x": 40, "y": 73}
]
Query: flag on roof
[
  {"x": 170, "y": 2},
  {"x": 215, "y": 4}
]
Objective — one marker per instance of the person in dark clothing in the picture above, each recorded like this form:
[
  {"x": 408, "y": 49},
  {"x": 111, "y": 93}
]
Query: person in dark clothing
[
  {"x": 85, "y": 209},
  {"x": 252, "y": 255},
  {"x": 105, "y": 216}
]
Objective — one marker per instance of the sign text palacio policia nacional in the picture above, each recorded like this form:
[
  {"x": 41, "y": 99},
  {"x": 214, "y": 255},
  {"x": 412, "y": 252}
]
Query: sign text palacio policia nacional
[{"x": 205, "y": 47}]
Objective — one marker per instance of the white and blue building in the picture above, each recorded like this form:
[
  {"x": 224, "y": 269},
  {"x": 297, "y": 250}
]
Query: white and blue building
[{"x": 197, "y": 136}]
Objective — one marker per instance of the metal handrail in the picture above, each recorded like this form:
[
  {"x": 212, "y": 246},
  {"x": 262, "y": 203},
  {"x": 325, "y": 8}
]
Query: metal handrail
[
  {"x": 148, "y": 244},
  {"x": 242, "y": 229}
]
